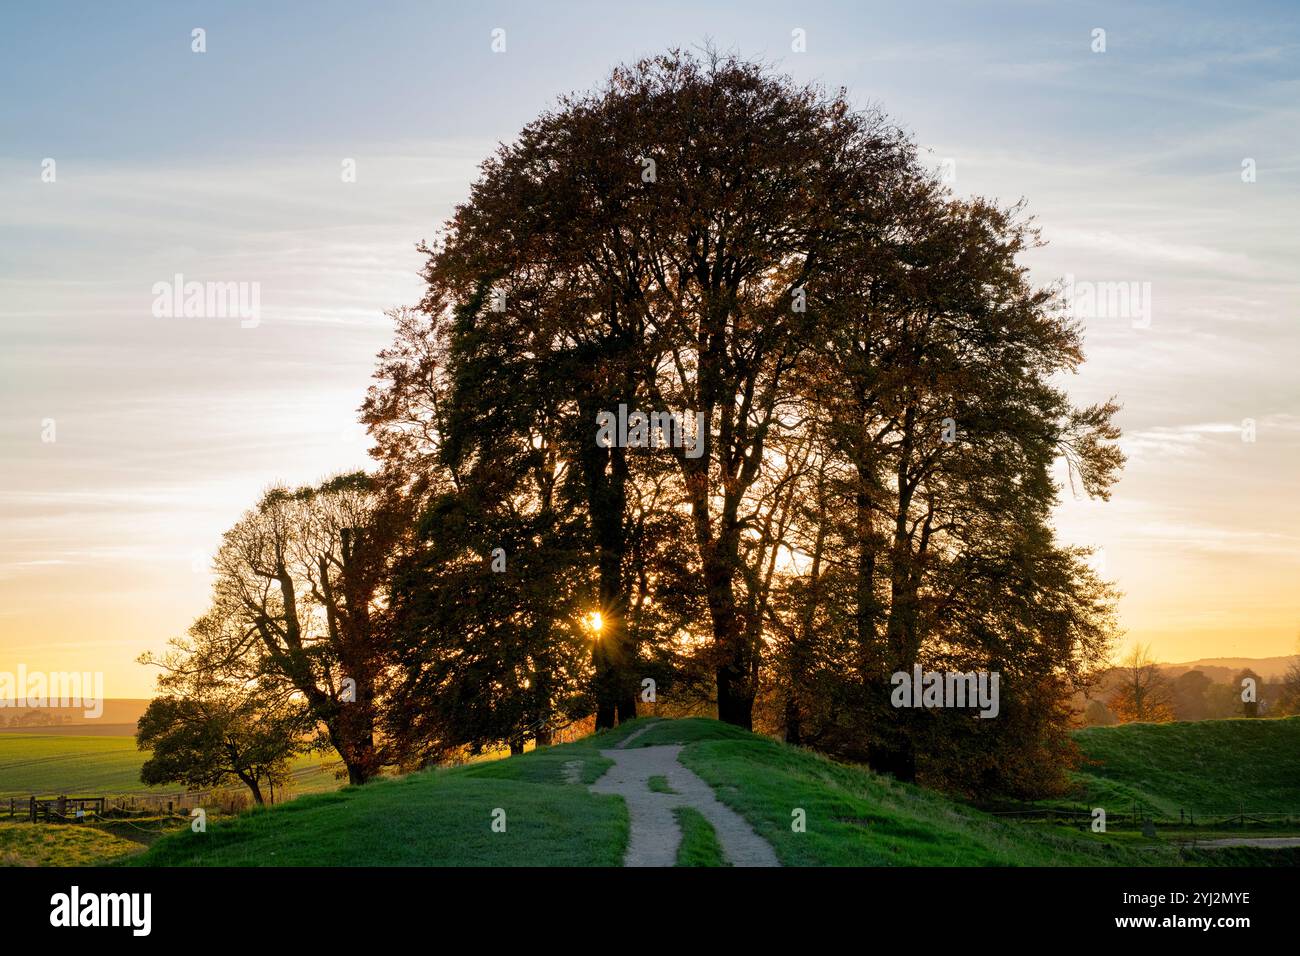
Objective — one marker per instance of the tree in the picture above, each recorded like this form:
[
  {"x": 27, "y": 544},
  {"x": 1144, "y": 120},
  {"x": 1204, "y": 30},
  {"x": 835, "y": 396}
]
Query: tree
[
  {"x": 205, "y": 731},
  {"x": 1248, "y": 686},
  {"x": 1189, "y": 692},
  {"x": 297, "y": 609},
  {"x": 1145, "y": 694},
  {"x": 933, "y": 384},
  {"x": 676, "y": 287},
  {"x": 1097, "y": 714},
  {"x": 489, "y": 649},
  {"x": 1289, "y": 698},
  {"x": 877, "y": 385}
]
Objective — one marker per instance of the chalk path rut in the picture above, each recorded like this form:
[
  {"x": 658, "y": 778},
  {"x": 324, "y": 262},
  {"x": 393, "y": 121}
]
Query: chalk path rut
[
  {"x": 655, "y": 835},
  {"x": 1268, "y": 843}
]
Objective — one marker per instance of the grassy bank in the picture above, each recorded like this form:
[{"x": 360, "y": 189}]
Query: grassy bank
[
  {"x": 444, "y": 817},
  {"x": 1208, "y": 767}
]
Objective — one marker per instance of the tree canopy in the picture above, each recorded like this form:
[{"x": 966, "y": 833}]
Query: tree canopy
[{"x": 840, "y": 415}]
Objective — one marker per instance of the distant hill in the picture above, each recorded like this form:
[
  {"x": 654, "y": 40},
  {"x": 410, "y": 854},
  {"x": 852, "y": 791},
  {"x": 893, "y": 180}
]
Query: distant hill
[
  {"x": 1221, "y": 670},
  {"x": 1225, "y": 668},
  {"x": 119, "y": 710}
]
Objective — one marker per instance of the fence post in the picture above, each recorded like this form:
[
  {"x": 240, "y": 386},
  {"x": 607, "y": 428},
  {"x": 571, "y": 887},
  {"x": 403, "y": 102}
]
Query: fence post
[{"x": 31, "y": 810}]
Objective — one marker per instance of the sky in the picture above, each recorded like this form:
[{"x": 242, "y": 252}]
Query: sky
[{"x": 1169, "y": 159}]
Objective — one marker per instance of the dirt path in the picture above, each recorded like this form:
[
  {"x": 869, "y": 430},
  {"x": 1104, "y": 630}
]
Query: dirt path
[
  {"x": 1270, "y": 843},
  {"x": 650, "y": 724},
  {"x": 655, "y": 835}
]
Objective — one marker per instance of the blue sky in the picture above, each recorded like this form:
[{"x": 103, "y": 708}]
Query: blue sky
[{"x": 225, "y": 165}]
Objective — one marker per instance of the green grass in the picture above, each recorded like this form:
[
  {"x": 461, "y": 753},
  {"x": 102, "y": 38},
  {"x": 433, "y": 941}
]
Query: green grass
[
  {"x": 1210, "y": 767},
  {"x": 660, "y": 785},
  {"x": 60, "y": 763},
  {"x": 699, "y": 845},
  {"x": 852, "y": 817},
  {"x": 434, "y": 818},
  {"x": 686, "y": 731},
  {"x": 50, "y": 844},
  {"x": 50, "y": 764}
]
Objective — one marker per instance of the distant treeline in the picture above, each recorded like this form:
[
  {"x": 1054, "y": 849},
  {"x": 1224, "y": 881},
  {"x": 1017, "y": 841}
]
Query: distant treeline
[
  {"x": 1142, "y": 690},
  {"x": 32, "y": 718},
  {"x": 115, "y": 711}
]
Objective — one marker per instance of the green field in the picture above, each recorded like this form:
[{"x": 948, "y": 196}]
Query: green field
[
  {"x": 1211, "y": 768},
  {"x": 443, "y": 817},
  {"x": 50, "y": 764}
]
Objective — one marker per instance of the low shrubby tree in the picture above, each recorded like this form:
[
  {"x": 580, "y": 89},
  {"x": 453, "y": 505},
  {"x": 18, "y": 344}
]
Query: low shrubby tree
[{"x": 206, "y": 733}]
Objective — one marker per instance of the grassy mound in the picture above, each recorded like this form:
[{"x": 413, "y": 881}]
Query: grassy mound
[
  {"x": 853, "y": 817},
  {"x": 1209, "y": 767},
  {"x": 538, "y": 801},
  {"x": 813, "y": 811}
]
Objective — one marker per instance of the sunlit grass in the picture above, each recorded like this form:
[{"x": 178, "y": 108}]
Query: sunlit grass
[
  {"x": 53, "y": 844},
  {"x": 852, "y": 816},
  {"x": 433, "y": 818}
]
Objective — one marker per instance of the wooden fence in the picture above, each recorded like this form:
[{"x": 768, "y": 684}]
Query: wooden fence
[{"x": 66, "y": 809}]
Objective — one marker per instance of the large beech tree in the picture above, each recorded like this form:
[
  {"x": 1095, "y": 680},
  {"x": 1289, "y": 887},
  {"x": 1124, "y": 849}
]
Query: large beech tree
[{"x": 879, "y": 386}]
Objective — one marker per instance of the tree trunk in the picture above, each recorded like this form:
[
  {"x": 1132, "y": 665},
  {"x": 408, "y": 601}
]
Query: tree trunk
[
  {"x": 606, "y": 471},
  {"x": 606, "y": 708},
  {"x": 793, "y": 731},
  {"x": 735, "y": 689},
  {"x": 865, "y": 586},
  {"x": 894, "y": 756},
  {"x": 735, "y": 696},
  {"x": 626, "y": 703},
  {"x": 893, "y": 752}
]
